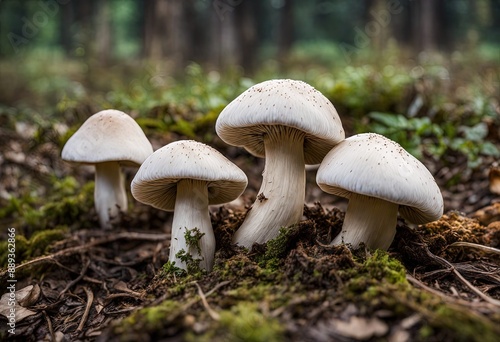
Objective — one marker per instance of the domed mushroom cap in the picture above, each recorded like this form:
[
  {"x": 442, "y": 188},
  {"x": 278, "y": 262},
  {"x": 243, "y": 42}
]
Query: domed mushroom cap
[
  {"x": 290, "y": 103},
  {"x": 156, "y": 181},
  {"x": 109, "y": 135},
  {"x": 373, "y": 165}
]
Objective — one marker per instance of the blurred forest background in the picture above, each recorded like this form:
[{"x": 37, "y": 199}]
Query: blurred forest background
[
  {"x": 165, "y": 36},
  {"x": 239, "y": 32},
  {"x": 424, "y": 73}
]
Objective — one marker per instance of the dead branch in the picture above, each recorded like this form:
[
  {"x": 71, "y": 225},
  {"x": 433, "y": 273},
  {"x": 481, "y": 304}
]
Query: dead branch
[
  {"x": 475, "y": 245},
  {"x": 90, "y": 299},
  {"x": 215, "y": 316},
  {"x": 79, "y": 249},
  {"x": 474, "y": 289}
]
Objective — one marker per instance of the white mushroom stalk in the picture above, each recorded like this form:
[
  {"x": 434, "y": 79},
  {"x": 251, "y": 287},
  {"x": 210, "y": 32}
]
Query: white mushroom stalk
[
  {"x": 281, "y": 197},
  {"x": 191, "y": 211},
  {"x": 368, "y": 220},
  {"x": 109, "y": 193}
]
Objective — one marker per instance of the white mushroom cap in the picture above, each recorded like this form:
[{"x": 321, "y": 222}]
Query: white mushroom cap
[
  {"x": 285, "y": 102},
  {"x": 109, "y": 135},
  {"x": 156, "y": 181},
  {"x": 373, "y": 165}
]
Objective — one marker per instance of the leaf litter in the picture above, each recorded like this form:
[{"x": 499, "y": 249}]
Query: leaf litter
[{"x": 439, "y": 281}]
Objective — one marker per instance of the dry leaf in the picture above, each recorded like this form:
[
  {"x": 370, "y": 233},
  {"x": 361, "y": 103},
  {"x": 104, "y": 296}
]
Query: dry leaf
[{"x": 8, "y": 304}]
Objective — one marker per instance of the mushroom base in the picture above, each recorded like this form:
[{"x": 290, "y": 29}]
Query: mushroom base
[
  {"x": 191, "y": 211},
  {"x": 368, "y": 220},
  {"x": 109, "y": 194}
]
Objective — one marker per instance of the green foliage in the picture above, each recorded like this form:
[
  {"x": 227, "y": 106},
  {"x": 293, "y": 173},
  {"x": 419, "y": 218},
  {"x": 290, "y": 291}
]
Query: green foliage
[
  {"x": 365, "y": 88},
  {"x": 169, "y": 268},
  {"x": 418, "y": 135}
]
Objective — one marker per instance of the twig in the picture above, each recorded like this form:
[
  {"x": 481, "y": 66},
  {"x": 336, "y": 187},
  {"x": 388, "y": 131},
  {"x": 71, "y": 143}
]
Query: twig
[
  {"x": 77, "y": 279},
  {"x": 215, "y": 316},
  {"x": 49, "y": 326},
  {"x": 462, "y": 279},
  {"x": 443, "y": 295},
  {"x": 475, "y": 245},
  {"x": 79, "y": 249},
  {"x": 90, "y": 299}
]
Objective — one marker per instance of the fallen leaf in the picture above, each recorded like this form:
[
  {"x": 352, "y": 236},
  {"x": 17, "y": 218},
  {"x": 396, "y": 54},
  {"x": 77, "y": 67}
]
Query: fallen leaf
[
  {"x": 7, "y": 304},
  {"x": 28, "y": 295}
]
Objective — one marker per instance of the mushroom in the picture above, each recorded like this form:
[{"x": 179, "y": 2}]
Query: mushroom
[
  {"x": 108, "y": 139},
  {"x": 379, "y": 178},
  {"x": 187, "y": 176},
  {"x": 290, "y": 124}
]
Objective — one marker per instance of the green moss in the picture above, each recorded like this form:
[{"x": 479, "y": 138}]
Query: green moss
[
  {"x": 21, "y": 247},
  {"x": 40, "y": 241},
  {"x": 277, "y": 248},
  {"x": 243, "y": 322},
  {"x": 464, "y": 325},
  {"x": 68, "y": 204},
  {"x": 37, "y": 245},
  {"x": 377, "y": 271},
  {"x": 379, "y": 282},
  {"x": 150, "y": 319}
]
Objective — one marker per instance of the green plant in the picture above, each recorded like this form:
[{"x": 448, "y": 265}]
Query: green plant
[{"x": 419, "y": 134}]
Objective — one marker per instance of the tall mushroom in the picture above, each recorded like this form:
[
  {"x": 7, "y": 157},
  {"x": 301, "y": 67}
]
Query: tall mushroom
[
  {"x": 290, "y": 124},
  {"x": 379, "y": 178},
  {"x": 108, "y": 139},
  {"x": 187, "y": 176}
]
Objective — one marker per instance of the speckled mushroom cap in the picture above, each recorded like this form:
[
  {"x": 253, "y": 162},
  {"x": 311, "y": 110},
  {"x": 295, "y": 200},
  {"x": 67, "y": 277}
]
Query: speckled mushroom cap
[
  {"x": 289, "y": 103},
  {"x": 373, "y": 165},
  {"x": 109, "y": 135},
  {"x": 156, "y": 181}
]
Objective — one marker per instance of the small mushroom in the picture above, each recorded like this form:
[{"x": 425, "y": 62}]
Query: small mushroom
[
  {"x": 108, "y": 139},
  {"x": 187, "y": 176},
  {"x": 290, "y": 124},
  {"x": 379, "y": 178}
]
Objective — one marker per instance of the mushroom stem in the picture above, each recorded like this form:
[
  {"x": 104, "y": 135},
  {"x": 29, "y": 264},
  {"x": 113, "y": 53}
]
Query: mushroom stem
[
  {"x": 191, "y": 211},
  {"x": 369, "y": 220},
  {"x": 109, "y": 193},
  {"x": 280, "y": 202}
]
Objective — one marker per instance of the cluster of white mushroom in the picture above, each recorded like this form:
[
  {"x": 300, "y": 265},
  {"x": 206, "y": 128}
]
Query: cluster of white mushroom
[{"x": 289, "y": 123}]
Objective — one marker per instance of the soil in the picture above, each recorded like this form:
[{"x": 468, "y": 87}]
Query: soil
[{"x": 437, "y": 282}]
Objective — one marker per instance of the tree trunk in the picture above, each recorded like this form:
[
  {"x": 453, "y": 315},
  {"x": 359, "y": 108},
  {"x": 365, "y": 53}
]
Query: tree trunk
[
  {"x": 66, "y": 19},
  {"x": 428, "y": 25},
  {"x": 247, "y": 33},
  {"x": 224, "y": 36},
  {"x": 103, "y": 33},
  {"x": 285, "y": 32}
]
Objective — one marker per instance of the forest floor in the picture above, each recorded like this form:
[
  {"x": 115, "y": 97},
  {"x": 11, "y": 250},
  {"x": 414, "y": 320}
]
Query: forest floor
[
  {"x": 77, "y": 282},
  {"x": 437, "y": 282}
]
